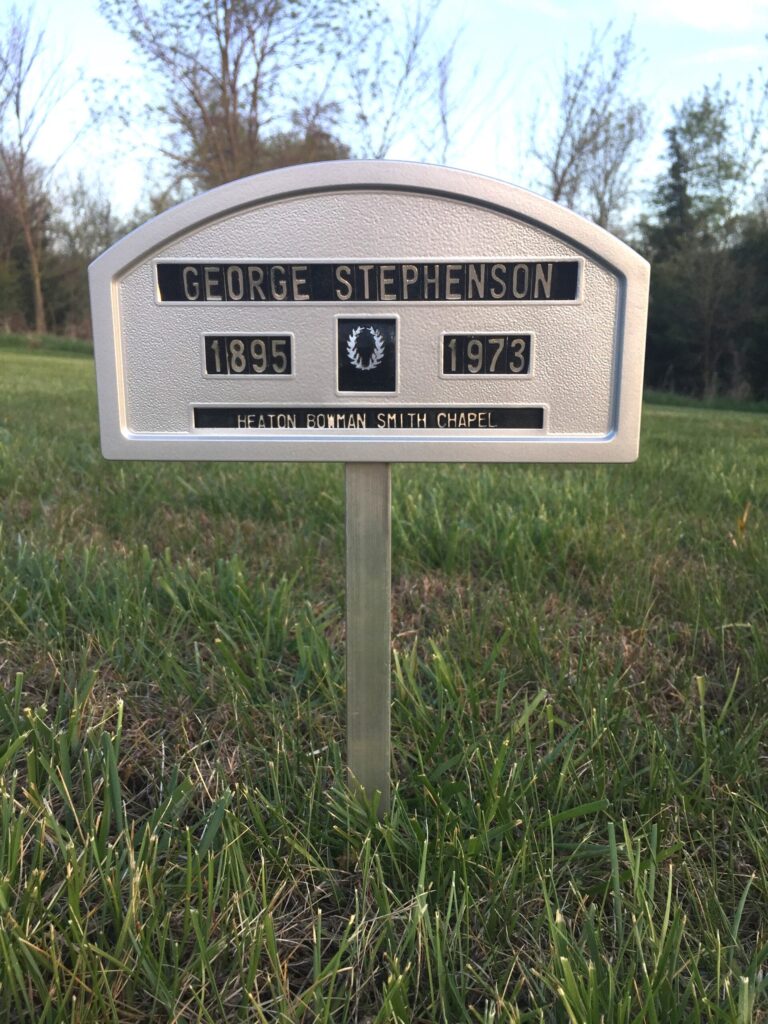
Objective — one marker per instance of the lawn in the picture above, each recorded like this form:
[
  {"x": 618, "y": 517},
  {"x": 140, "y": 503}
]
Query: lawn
[{"x": 579, "y": 829}]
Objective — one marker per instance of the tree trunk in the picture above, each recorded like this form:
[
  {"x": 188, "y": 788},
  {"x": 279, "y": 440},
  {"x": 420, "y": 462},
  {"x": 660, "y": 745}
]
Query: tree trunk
[{"x": 34, "y": 272}]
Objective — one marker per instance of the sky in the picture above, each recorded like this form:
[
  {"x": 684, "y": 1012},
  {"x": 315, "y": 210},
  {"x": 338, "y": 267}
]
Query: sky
[{"x": 509, "y": 60}]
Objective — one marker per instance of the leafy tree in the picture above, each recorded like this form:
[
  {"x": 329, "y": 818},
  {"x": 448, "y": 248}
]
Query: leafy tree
[
  {"x": 697, "y": 196},
  {"x": 751, "y": 258},
  {"x": 697, "y": 296}
]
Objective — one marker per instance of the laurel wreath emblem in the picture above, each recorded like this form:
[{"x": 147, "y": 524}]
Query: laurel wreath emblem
[{"x": 353, "y": 352}]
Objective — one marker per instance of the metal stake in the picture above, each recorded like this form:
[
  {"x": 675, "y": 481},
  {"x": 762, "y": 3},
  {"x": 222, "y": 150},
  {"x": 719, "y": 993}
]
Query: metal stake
[{"x": 369, "y": 571}]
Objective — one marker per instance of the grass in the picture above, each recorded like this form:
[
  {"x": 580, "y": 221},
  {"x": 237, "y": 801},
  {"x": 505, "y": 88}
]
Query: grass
[
  {"x": 45, "y": 343},
  {"x": 720, "y": 402},
  {"x": 579, "y": 829}
]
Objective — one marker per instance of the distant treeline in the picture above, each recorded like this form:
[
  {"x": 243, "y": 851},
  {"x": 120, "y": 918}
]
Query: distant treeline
[
  {"x": 229, "y": 103},
  {"x": 708, "y": 323}
]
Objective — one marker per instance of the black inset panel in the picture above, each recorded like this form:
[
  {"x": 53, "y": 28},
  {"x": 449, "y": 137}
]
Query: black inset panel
[
  {"x": 327, "y": 419},
  {"x": 367, "y": 354},
  {"x": 484, "y": 354}
]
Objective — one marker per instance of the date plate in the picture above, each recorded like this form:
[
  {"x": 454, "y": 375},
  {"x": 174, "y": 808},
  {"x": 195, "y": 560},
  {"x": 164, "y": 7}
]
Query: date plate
[
  {"x": 470, "y": 355},
  {"x": 248, "y": 355}
]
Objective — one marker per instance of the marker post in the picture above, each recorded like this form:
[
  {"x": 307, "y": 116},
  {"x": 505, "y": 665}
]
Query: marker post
[{"x": 369, "y": 574}]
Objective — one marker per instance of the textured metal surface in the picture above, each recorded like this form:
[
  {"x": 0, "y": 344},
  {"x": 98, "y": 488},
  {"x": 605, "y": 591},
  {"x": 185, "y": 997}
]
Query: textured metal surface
[
  {"x": 369, "y": 549},
  {"x": 587, "y": 357}
]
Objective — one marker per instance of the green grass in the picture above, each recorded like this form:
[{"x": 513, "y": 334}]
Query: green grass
[
  {"x": 48, "y": 343},
  {"x": 720, "y": 402},
  {"x": 579, "y": 829}
]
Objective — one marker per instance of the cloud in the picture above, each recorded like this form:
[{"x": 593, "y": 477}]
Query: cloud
[{"x": 707, "y": 15}]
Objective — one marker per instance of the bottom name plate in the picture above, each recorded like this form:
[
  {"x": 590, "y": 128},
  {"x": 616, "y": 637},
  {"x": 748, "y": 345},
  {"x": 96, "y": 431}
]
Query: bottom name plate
[{"x": 369, "y": 418}]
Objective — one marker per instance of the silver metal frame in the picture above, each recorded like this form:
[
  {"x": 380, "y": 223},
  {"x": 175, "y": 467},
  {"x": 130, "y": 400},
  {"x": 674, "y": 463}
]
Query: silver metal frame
[{"x": 630, "y": 273}]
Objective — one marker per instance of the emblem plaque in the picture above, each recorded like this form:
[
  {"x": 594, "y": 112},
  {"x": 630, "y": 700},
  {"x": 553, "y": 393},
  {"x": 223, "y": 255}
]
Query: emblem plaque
[{"x": 367, "y": 354}]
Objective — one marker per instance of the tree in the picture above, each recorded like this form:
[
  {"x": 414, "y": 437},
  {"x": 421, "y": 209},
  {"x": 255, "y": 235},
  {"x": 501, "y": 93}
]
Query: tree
[
  {"x": 249, "y": 85},
  {"x": 83, "y": 226},
  {"x": 697, "y": 197},
  {"x": 24, "y": 180},
  {"x": 233, "y": 75},
  {"x": 751, "y": 257},
  {"x": 11, "y": 264},
  {"x": 398, "y": 83},
  {"x": 589, "y": 157},
  {"x": 698, "y": 294}
]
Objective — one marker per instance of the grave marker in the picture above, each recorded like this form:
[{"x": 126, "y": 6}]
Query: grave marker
[{"x": 369, "y": 313}]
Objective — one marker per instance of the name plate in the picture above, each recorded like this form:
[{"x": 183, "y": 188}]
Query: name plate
[
  {"x": 542, "y": 281},
  {"x": 370, "y": 311},
  {"x": 335, "y": 418}
]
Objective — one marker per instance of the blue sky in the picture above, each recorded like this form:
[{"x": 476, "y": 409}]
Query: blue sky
[{"x": 518, "y": 47}]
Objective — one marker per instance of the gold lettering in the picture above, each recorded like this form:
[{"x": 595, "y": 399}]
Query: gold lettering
[
  {"x": 431, "y": 279},
  {"x": 500, "y": 290},
  {"x": 410, "y": 276},
  {"x": 520, "y": 290},
  {"x": 235, "y": 283},
  {"x": 387, "y": 281},
  {"x": 476, "y": 281},
  {"x": 255, "y": 281},
  {"x": 366, "y": 269},
  {"x": 345, "y": 282},
  {"x": 277, "y": 281},
  {"x": 191, "y": 289},
  {"x": 542, "y": 282},
  {"x": 298, "y": 283},
  {"x": 211, "y": 282},
  {"x": 452, "y": 281}
]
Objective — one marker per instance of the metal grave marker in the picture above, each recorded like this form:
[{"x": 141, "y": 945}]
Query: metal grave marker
[{"x": 369, "y": 313}]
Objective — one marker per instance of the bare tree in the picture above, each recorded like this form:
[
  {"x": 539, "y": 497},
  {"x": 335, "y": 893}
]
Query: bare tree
[
  {"x": 588, "y": 158},
  {"x": 248, "y": 85},
  {"x": 23, "y": 179},
  {"x": 237, "y": 81},
  {"x": 399, "y": 82}
]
